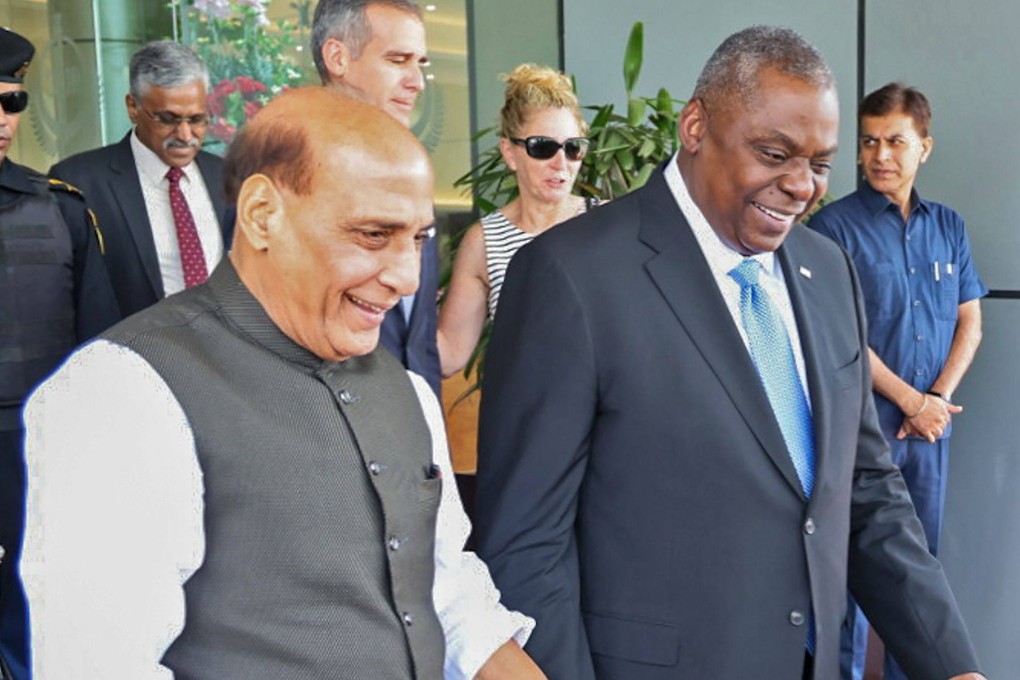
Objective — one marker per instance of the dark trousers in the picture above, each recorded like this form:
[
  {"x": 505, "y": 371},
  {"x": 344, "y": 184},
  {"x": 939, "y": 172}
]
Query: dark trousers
[{"x": 13, "y": 609}]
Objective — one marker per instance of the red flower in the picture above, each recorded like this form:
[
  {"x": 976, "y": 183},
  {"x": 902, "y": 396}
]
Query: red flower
[
  {"x": 249, "y": 86},
  {"x": 251, "y": 108},
  {"x": 223, "y": 130}
]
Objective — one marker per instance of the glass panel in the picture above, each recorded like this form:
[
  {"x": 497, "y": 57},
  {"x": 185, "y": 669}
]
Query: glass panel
[
  {"x": 61, "y": 80},
  {"x": 254, "y": 49}
]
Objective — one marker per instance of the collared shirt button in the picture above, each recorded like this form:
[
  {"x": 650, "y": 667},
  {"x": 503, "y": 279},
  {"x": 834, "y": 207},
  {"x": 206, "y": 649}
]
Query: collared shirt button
[
  {"x": 913, "y": 270},
  {"x": 917, "y": 303},
  {"x": 393, "y": 543},
  {"x": 919, "y": 337},
  {"x": 407, "y": 618},
  {"x": 919, "y": 371},
  {"x": 797, "y": 617},
  {"x": 809, "y": 526}
]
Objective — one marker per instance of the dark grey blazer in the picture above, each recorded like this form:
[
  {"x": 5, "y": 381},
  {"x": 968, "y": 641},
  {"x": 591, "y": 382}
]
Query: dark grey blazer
[
  {"x": 109, "y": 180},
  {"x": 635, "y": 494}
]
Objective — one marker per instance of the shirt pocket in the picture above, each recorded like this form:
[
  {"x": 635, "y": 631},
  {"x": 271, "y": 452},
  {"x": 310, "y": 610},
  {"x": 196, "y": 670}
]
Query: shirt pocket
[
  {"x": 947, "y": 293},
  {"x": 885, "y": 292}
]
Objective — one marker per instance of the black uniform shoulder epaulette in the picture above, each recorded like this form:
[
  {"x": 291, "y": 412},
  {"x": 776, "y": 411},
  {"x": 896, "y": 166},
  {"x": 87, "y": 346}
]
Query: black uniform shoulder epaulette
[{"x": 61, "y": 185}]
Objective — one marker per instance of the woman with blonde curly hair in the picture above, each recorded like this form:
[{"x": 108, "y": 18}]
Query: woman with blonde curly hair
[{"x": 542, "y": 142}]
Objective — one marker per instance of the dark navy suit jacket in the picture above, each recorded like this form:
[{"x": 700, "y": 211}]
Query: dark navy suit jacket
[
  {"x": 109, "y": 179},
  {"x": 635, "y": 493}
]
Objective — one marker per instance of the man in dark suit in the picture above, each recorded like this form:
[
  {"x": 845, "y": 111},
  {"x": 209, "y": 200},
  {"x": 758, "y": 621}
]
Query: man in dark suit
[
  {"x": 679, "y": 457},
  {"x": 374, "y": 51},
  {"x": 162, "y": 234}
]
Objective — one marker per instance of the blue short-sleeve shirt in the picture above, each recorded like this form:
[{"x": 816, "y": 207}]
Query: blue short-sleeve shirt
[{"x": 914, "y": 276}]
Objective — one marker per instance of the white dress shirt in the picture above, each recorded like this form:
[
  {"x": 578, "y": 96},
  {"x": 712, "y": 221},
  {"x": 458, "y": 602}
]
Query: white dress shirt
[
  {"x": 156, "y": 191},
  {"x": 722, "y": 259},
  {"x": 114, "y": 527}
]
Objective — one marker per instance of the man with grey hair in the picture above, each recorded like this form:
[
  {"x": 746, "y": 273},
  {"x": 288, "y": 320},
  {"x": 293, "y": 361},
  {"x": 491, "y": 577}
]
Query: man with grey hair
[
  {"x": 158, "y": 197},
  {"x": 679, "y": 464},
  {"x": 374, "y": 51}
]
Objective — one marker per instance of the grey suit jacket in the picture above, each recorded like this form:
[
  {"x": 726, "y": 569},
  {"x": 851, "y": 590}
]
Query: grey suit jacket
[
  {"x": 635, "y": 494},
  {"x": 109, "y": 180}
]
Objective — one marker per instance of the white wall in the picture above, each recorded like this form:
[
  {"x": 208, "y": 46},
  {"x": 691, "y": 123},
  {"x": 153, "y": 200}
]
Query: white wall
[{"x": 964, "y": 57}]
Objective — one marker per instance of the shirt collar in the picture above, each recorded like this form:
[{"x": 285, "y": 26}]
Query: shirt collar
[
  {"x": 721, "y": 257},
  {"x": 243, "y": 311},
  {"x": 876, "y": 202},
  {"x": 151, "y": 168}
]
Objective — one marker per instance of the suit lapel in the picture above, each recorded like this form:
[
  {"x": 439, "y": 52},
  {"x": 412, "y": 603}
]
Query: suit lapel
[
  {"x": 806, "y": 299},
  {"x": 212, "y": 175},
  {"x": 683, "y": 277},
  {"x": 126, "y": 190}
]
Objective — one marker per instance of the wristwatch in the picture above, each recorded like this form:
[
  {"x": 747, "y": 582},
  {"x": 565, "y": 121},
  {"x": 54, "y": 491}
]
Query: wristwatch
[{"x": 948, "y": 398}]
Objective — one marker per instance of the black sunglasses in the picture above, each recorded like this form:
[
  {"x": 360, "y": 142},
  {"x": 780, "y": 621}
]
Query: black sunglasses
[
  {"x": 544, "y": 148},
  {"x": 14, "y": 102}
]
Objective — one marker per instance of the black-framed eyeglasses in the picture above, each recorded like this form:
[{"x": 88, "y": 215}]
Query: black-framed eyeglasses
[
  {"x": 173, "y": 121},
  {"x": 14, "y": 102},
  {"x": 544, "y": 148}
]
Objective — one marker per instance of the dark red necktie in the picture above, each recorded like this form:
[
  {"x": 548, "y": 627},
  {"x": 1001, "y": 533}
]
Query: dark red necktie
[{"x": 192, "y": 257}]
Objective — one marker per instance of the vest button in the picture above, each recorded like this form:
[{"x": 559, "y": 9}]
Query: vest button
[
  {"x": 346, "y": 397},
  {"x": 797, "y": 617},
  {"x": 393, "y": 543},
  {"x": 376, "y": 468},
  {"x": 407, "y": 618},
  {"x": 809, "y": 526},
  {"x": 2, "y": 553}
]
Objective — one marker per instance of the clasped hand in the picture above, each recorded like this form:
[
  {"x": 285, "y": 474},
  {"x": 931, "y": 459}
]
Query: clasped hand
[{"x": 931, "y": 419}]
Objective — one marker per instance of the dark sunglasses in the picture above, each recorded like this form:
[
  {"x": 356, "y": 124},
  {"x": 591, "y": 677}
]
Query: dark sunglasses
[
  {"x": 544, "y": 148},
  {"x": 14, "y": 102}
]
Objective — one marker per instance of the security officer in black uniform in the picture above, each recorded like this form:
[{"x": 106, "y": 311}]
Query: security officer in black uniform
[{"x": 54, "y": 295}]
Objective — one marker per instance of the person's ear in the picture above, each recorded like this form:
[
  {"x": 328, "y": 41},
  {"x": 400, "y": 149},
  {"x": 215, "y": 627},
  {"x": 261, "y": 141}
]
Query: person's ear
[
  {"x": 693, "y": 125},
  {"x": 506, "y": 148},
  {"x": 260, "y": 211},
  {"x": 132, "y": 108},
  {"x": 927, "y": 144},
  {"x": 336, "y": 57}
]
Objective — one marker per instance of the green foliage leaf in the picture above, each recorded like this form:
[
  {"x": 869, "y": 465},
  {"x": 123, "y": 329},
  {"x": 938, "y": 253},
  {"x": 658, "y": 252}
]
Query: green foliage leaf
[
  {"x": 635, "y": 112},
  {"x": 633, "y": 56}
]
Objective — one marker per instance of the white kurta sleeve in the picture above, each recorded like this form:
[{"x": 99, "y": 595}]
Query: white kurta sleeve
[
  {"x": 474, "y": 622},
  {"x": 114, "y": 518}
]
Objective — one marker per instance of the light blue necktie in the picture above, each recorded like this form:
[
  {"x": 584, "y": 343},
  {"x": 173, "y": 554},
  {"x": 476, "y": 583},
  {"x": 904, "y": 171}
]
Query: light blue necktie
[{"x": 773, "y": 357}]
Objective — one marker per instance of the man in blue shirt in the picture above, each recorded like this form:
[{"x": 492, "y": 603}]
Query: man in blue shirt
[{"x": 921, "y": 293}]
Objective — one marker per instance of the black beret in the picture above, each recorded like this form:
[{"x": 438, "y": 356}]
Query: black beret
[{"x": 15, "y": 55}]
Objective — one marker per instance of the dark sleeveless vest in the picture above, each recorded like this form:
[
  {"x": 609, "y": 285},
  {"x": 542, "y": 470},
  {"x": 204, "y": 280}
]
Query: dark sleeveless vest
[
  {"x": 36, "y": 293},
  {"x": 320, "y": 509}
]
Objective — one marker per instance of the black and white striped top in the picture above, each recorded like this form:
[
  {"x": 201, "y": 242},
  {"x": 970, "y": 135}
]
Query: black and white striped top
[{"x": 502, "y": 240}]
